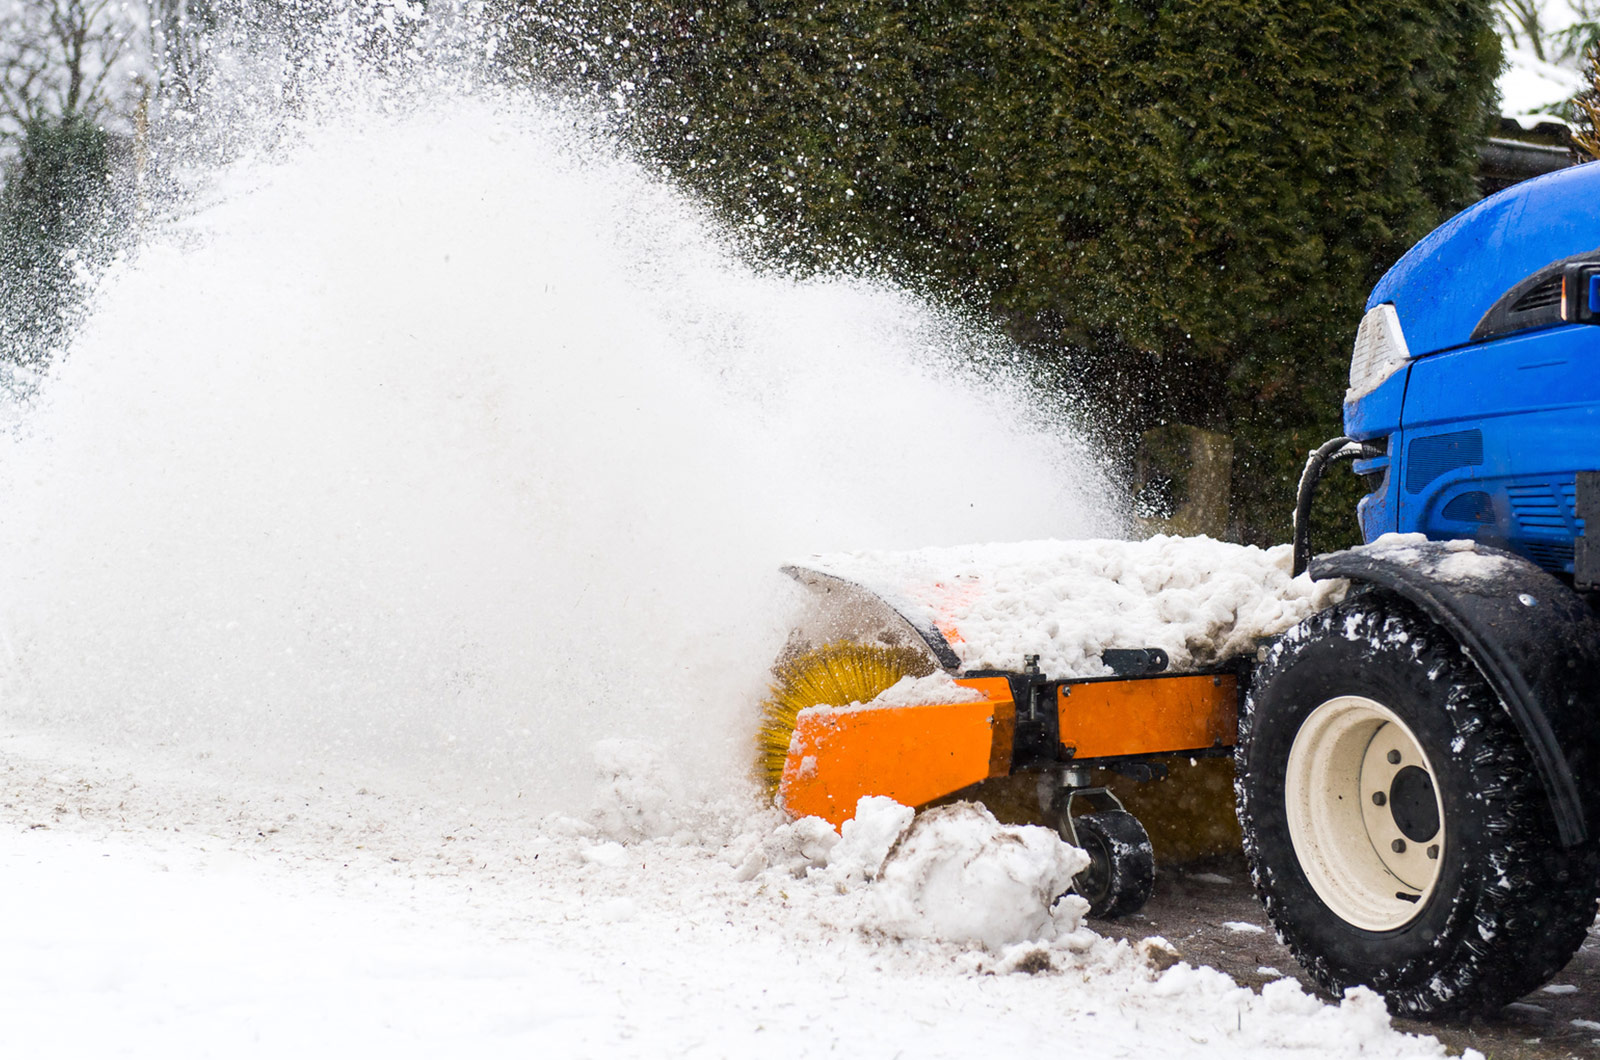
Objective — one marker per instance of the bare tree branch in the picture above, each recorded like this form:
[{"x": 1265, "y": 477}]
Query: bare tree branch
[
  {"x": 1522, "y": 21},
  {"x": 69, "y": 57}
]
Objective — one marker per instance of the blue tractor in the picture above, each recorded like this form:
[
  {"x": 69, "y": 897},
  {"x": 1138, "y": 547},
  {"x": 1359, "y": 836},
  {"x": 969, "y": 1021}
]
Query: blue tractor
[{"x": 1419, "y": 766}]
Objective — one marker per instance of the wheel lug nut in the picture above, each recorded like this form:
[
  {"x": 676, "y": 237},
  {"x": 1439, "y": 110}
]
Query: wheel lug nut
[
  {"x": 1398, "y": 846},
  {"x": 1394, "y": 758},
  {"x": 1379, "y": 798},
  {"x": 1433, "y": 852}
]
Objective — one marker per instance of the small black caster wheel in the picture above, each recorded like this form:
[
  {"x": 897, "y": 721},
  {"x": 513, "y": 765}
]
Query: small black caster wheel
[{"x": 1122, "y": 867}]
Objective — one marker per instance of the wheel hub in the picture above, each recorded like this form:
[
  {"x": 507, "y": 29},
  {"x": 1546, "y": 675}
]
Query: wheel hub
[
  {"x": 1364, "y": 814},
  {"x": 1411, "y": 803}
]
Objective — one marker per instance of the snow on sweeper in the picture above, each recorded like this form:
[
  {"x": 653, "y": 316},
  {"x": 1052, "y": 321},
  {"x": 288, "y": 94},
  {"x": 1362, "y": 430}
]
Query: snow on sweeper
[{"x": 1415, "y": 726}]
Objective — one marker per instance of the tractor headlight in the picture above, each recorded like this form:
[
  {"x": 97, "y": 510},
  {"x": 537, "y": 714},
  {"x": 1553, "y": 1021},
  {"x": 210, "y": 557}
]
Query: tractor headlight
[{"x": 1380, "y": 351}]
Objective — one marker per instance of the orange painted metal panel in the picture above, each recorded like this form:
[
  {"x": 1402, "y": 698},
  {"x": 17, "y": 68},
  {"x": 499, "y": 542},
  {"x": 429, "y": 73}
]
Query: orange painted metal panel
[
  {"x": 1149, "y": 715},
  {"x": 911, "y": 754}
]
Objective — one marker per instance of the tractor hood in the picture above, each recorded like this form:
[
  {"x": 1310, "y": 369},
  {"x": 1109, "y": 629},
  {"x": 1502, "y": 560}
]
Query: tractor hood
[{"x": 1445, "y": 284}]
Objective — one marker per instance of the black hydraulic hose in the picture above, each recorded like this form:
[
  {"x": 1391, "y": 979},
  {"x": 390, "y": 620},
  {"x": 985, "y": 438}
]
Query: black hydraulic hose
[{"x": 1340, "y": 448}]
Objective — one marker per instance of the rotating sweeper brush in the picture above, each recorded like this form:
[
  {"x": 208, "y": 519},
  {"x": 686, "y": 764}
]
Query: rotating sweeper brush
[
  {"x": 1415, "y": 722},
  {"x": 836, "y": 674}
]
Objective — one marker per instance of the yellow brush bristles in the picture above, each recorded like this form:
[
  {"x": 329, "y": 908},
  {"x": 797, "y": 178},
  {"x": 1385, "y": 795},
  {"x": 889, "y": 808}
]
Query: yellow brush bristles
[{"x": 833, "y": 675}]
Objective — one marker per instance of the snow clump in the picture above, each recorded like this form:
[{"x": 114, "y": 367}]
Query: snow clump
[
  {"x": 959, "y": 876},
  {"x": 791, "y": 849},
  {"x": 936, "y": 689},
  {"x": 866, "y": 840},
  {"x": 952, "y": 875},
  {"x": 853, "y": 855},
  {"x": 638, "y": 796}
]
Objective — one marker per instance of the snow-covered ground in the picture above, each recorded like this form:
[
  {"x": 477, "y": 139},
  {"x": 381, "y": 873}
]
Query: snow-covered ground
[{"x": 162, "y": 912}]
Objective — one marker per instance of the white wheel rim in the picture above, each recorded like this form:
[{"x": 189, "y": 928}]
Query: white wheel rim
[{"x": 1357, "y": 792}]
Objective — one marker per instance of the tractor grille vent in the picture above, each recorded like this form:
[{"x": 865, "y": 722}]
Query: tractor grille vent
[
  {"x": 1429, "y": 457},
  {"x": 1470, "y": 508},
  {"x": 1536, "y": 507},
  {"x": 1543, "y": 296},
  {"x": 1543, "y": 510},
  {"x": 1553, "y": 557}
]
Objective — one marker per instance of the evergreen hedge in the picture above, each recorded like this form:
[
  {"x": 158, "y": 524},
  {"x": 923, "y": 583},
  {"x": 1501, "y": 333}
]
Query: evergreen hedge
[{"x": 1181, "y": 205}]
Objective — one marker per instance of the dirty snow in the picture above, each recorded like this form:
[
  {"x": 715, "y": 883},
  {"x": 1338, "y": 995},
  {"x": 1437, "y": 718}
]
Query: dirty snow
[
  {"x": 1199, "y": 599},
  {"x": 1459, "y": 560}
]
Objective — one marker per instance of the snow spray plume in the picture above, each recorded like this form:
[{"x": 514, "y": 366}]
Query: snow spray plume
[{"x": 447, "y": 442}]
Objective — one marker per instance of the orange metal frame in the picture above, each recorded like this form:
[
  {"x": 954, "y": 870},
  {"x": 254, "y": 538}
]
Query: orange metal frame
[
  {"x": 915, "y": 754},
  {"x": 911, "y": 754},
  {"x": 1148, "y": 715}
]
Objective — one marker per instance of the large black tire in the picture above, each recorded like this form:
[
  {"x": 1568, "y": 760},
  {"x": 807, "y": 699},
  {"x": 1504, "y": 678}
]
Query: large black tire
[
  {"x": 1122, "y": 864},
  {"x": 1491, "y": 905}
]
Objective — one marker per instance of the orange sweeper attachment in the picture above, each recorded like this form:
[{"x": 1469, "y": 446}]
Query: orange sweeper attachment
[{"x": 872, "y": 697}]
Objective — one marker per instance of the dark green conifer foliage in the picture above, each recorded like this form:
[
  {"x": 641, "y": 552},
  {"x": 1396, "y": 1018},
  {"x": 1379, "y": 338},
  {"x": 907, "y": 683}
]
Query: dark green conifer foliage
[
  {"x": 1181, "y": 204},
  {"x": 55, "y": 217}
]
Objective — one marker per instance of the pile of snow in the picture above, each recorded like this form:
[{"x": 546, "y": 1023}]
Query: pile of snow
[
  {"x": 957, "y": 875},
  {"x": 953, "y": 875},
  {"x": 867, "y": 840},
  {"x": 1198, "y": 599}
]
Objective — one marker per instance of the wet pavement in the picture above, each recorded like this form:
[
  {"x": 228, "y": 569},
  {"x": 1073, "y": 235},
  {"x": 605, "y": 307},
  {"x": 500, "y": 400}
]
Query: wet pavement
[{"x": 1207, "y": 910}]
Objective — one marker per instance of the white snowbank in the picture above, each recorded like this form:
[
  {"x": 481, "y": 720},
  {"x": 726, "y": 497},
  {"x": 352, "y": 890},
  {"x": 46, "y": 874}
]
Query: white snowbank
[
  {"x": 866, "y": 839},
  {"x": 1198, "y": 599}
]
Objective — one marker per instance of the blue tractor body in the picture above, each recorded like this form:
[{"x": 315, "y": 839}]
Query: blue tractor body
[
  {"x": 1475, "y": 389},
  {"x": 1474, "y": 414}
]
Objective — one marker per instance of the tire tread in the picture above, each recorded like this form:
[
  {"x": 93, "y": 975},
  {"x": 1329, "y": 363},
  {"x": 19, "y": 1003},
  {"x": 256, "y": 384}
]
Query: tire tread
[{"x": 1536, "y": 901}]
